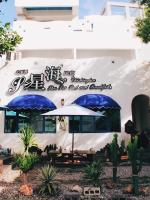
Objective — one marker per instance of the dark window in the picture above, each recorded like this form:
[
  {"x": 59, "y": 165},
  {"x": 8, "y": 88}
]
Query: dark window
[
  {"x": 118, "y": 10},
  {"x": 74, "y": 124},
  {"x": 47, "y": 8},
  {"x": 15, "y": 121},
  {"x": 110, "y": 122}
]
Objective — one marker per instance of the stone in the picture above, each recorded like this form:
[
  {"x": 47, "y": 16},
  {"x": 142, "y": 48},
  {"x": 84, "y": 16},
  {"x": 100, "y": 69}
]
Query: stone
[
  {"x": 71, "y": 195},
  {"x": 128, "y": 189},
  {"x": 77, "y": 188},
  {"x": 144, "y": 190},
  {"x": 26, "y": 190},
  {"x": 110, "y": 185}
]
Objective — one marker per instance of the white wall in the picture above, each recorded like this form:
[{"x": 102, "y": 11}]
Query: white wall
[
  {"x": 128, "y": 79},
  {"x": 79, "y": 53},
  {"x": 113, "y": 33},
  {"x": 88, "y": 53}
]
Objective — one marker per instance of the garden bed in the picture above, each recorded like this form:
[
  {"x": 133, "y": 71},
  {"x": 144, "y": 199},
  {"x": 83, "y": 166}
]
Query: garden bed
[{"x": 68, "y": 177}]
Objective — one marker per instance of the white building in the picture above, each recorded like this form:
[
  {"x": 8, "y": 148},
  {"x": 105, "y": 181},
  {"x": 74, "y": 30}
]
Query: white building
[{"x": 97, "y": 59}]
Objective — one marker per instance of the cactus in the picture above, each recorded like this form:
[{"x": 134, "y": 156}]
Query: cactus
[
  {"x": 114, "y": 155},
  {"x": 135, "y": 156}
]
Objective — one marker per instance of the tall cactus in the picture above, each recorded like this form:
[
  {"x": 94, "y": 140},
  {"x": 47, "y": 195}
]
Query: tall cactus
[
  {"x": 135, "y": 156},
  {"x": 114, "y": 155}
]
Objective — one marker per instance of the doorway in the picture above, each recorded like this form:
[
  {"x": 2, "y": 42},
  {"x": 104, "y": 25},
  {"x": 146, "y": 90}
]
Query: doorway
[{"x": 141, "y": 112}]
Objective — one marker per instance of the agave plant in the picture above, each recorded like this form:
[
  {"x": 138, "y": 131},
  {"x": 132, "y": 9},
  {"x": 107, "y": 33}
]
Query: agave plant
[
  {"x": 94, "y": 172},
  {"x": 48, "y": 185},
  {"x": 28, "y": 138}
]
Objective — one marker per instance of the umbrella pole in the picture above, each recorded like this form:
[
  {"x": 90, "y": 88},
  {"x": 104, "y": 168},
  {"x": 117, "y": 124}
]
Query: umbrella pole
[{"x": 72, "y": 138}]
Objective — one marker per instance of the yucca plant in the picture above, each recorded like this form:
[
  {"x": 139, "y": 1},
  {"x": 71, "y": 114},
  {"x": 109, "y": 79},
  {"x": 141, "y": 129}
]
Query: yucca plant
[
  {"x": 135, "y": 156},
  {"x": 28, "y": 138},
  {"x": 48, "y": 185},
  {"x": 94, "y": 172},
  {"x": 114, "y": 155}
]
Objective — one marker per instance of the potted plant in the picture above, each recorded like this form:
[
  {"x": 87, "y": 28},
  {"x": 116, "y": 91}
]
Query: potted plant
[
  {"x": 25, "y": 163},
  {"x": 26, "y": 160}
]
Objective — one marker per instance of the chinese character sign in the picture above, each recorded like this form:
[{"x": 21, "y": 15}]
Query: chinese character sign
[{"x": 58, "y": 81}]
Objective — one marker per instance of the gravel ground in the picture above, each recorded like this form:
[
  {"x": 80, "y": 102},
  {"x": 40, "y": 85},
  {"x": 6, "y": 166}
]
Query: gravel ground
[{"x": 69, "y": 177}]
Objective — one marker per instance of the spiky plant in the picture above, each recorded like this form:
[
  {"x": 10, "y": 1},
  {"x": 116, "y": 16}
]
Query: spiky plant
[
  {"x": 114, "y": 155},
  {"x": 135, "y": 156},
  {"x": 48, "y": 185},
  {"x": 94, "y": 172},
  {"x": 28, "y": 138}
]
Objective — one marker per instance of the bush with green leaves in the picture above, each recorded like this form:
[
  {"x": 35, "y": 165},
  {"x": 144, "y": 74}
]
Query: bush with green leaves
[
  {"x": 48, "y": 185},
  {"x": 27, "y": 137},
  {"x": 9, "y": 39},
  {"x": 94, "y": 172},
  {"x": 135, "y": 157},
  {"x": 143, "y": 26},
  {"x": 143, "y": 2},
  {"x": 25, "y": 162}
]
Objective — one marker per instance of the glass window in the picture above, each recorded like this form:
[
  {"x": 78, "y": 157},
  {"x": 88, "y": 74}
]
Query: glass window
[
  {"x": 10, "y": 125},
  {"x": 49, "y": 124},
  {"x": 134, "y": 12},
  {"x": 110, "y": 122},
  {"x": 47, "y": 8},
  {"x": 88, "y": 124},
  {"x": 15, "y": 121},
  {"x": 74, "y": 124},
  {"x": 118, "y": 10}
]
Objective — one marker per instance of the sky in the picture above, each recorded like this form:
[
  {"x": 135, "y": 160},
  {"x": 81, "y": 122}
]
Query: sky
[{"x": 86, "y": 7}]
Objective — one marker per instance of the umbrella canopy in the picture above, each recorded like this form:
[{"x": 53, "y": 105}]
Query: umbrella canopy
[
  {"x": 73, "y": 110},
  {"x": 3, "y": 108}
]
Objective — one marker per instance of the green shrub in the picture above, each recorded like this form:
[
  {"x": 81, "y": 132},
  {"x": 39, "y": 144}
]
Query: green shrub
[
  {"x": 9, "y": 39},
  {"x": 94, "y": 172},
  {"x": 25, "y": 162},
  {"x": 48, "y": 185}
]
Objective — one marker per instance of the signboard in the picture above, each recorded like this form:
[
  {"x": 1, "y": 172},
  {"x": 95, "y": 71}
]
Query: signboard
[{"x": 56, "y": 78}]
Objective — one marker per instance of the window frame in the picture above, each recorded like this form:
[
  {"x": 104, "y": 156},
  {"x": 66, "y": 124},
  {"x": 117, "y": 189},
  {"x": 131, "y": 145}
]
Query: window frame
[
  {"x": 17, "y": 124},
  {"x": 94, "y": 126}
]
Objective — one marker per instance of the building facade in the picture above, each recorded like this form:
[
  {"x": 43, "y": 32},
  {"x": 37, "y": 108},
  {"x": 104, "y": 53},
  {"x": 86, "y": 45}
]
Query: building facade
[{"x": 96, "y": 62}]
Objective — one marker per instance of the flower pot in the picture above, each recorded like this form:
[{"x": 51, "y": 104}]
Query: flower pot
[{"x": 124, "y": 158}]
